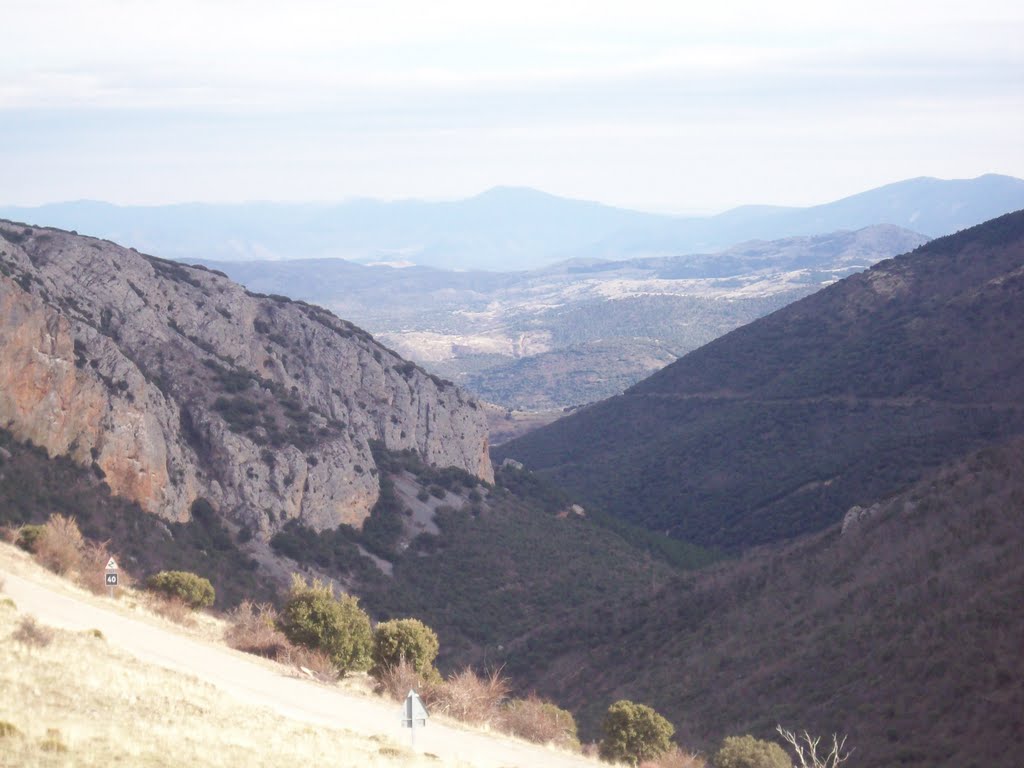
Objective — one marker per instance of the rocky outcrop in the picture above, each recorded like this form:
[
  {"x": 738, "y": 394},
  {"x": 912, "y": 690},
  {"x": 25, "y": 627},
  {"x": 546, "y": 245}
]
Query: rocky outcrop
[{"x": 174, "y": 383}]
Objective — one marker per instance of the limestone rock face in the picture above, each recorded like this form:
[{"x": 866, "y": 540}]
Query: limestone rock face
[{"x": 175, "y": 383}]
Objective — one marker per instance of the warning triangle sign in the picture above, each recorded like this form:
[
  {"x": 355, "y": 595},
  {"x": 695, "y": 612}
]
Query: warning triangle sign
[{"x": 111, "y": 564}]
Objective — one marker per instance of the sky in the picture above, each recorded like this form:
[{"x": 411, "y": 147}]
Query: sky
[{"x": 650, "y": 105}]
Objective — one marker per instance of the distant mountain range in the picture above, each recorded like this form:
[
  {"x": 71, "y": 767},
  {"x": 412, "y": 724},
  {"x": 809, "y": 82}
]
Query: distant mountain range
[
  {"x": 779, "y": 427},
  {"x": 508, "y": 228}
]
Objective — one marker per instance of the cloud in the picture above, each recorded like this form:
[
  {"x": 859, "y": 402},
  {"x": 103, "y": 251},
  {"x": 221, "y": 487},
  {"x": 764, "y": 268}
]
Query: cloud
[{"x": 622, "y": 101}]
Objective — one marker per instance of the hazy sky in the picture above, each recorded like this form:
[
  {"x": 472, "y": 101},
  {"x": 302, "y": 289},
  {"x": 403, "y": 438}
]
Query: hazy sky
[{"x": 650, "y": 105}]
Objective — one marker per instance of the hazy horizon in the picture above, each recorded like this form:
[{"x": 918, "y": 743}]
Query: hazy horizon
[
  {"x": 646, "y": 105},
  {"x": 689, "y": 213}
]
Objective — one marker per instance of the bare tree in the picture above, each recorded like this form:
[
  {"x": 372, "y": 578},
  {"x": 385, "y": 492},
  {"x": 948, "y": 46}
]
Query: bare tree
[{"x": 806, "y": 748}]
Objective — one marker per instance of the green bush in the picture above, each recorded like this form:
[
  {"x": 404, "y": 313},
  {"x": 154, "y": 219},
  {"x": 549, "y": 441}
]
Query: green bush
[
  {"x": 633, "y": 733},
  {"x": 314, "y": 618},
  {"x": 748, "y": 752},
  {"x": 407, "y": 640},
  {"x": 28, "y": 537},
  {"x": 193, "y": 590}
]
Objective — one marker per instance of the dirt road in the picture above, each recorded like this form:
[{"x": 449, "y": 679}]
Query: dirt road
[{"x": 260, "y": 683}]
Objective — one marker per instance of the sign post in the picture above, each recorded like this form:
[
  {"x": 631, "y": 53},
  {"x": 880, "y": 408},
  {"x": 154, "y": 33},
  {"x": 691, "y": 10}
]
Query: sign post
[
  {"x": 110, "y": 575},
  {"x": 413, "y": 716}
]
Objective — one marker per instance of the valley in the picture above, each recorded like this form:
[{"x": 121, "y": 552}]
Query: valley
[
  {"x": 810, "y": 520},
  {"x": 636, "y": 385},
  {"x": 575, "y": 332},
  {"x": 779, "y": 427}
]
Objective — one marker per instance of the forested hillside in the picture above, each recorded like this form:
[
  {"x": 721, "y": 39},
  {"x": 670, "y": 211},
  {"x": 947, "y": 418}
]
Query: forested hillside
[{"x": 846, "y": 396}]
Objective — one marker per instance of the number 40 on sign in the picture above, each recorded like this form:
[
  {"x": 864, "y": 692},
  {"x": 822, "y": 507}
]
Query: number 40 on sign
[{"x": 110, "y": 575}]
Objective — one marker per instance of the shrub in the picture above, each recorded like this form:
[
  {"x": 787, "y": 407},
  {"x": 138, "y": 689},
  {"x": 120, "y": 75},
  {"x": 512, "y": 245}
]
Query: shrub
[
  {"x": 540, "y": 721},
  {"x": 193, "y": 590},
  {"x": 28, "y": 537},
  {"x": 634, "y": 732},
  {"x": 407, "y": 640},
  {"x": 254, "y": 630},
  {"x": 59, "y": 546},
  {"x": 396, "y": 681},
  {"x": 313, "y": 618},
  {"x": 748, "y": 752},
  {"x": 471, "y": 698},
  {"x": 33, "y": 634}
]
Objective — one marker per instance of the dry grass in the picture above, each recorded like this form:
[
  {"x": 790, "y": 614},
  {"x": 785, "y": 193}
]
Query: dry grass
[
  {"x": 7, "y": 730},
  {"x": 171, "y": 608},
  {"x": 315, "y": 664},
  {"x": 253, "y": 629},
  {"x": 78, "y": 701}
]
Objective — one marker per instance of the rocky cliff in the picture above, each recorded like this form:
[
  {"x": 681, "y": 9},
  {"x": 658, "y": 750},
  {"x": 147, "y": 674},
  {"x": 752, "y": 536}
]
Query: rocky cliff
[{"x": 174, "y": 383}]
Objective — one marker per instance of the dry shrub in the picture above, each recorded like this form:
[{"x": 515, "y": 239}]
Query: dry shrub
[
  {"x": 59, "y": 548},
  {"x": 53, "y": 742},
  {"x": 9, "y": 533},
  {"x": 473, "y": 699},
  {"x": 171, "y": 608},
  {"x": 95, "y": 557},
  {"x": 398, "y": 679},
  {"x": 540, "y": 721},
  {"x": 32, "y": 633},
  {"x": 254, "y": 630},
  {"x": 316, "y": 662},
  {"x": 8, "y": 730},
  {"x": 676, "y": 758}
]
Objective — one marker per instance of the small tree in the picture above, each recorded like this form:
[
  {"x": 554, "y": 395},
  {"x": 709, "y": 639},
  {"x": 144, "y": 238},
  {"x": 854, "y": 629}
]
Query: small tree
[
  {"x": 748, "y": 752},
  {"x": 313, "y": 618},
  {"x": 408, "y": 640},
  {"x": 634, "y": 732},
  {"x": 195, "y": 591},
  {"x": 806, "y": 748}
]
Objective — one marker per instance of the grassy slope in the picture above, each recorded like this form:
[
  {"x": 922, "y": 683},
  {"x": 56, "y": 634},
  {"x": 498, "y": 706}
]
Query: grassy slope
[
  {"x": 846, "y": 396},
  {"x": 75, "y": 699},
  {"x": 904, "y": 633}
]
